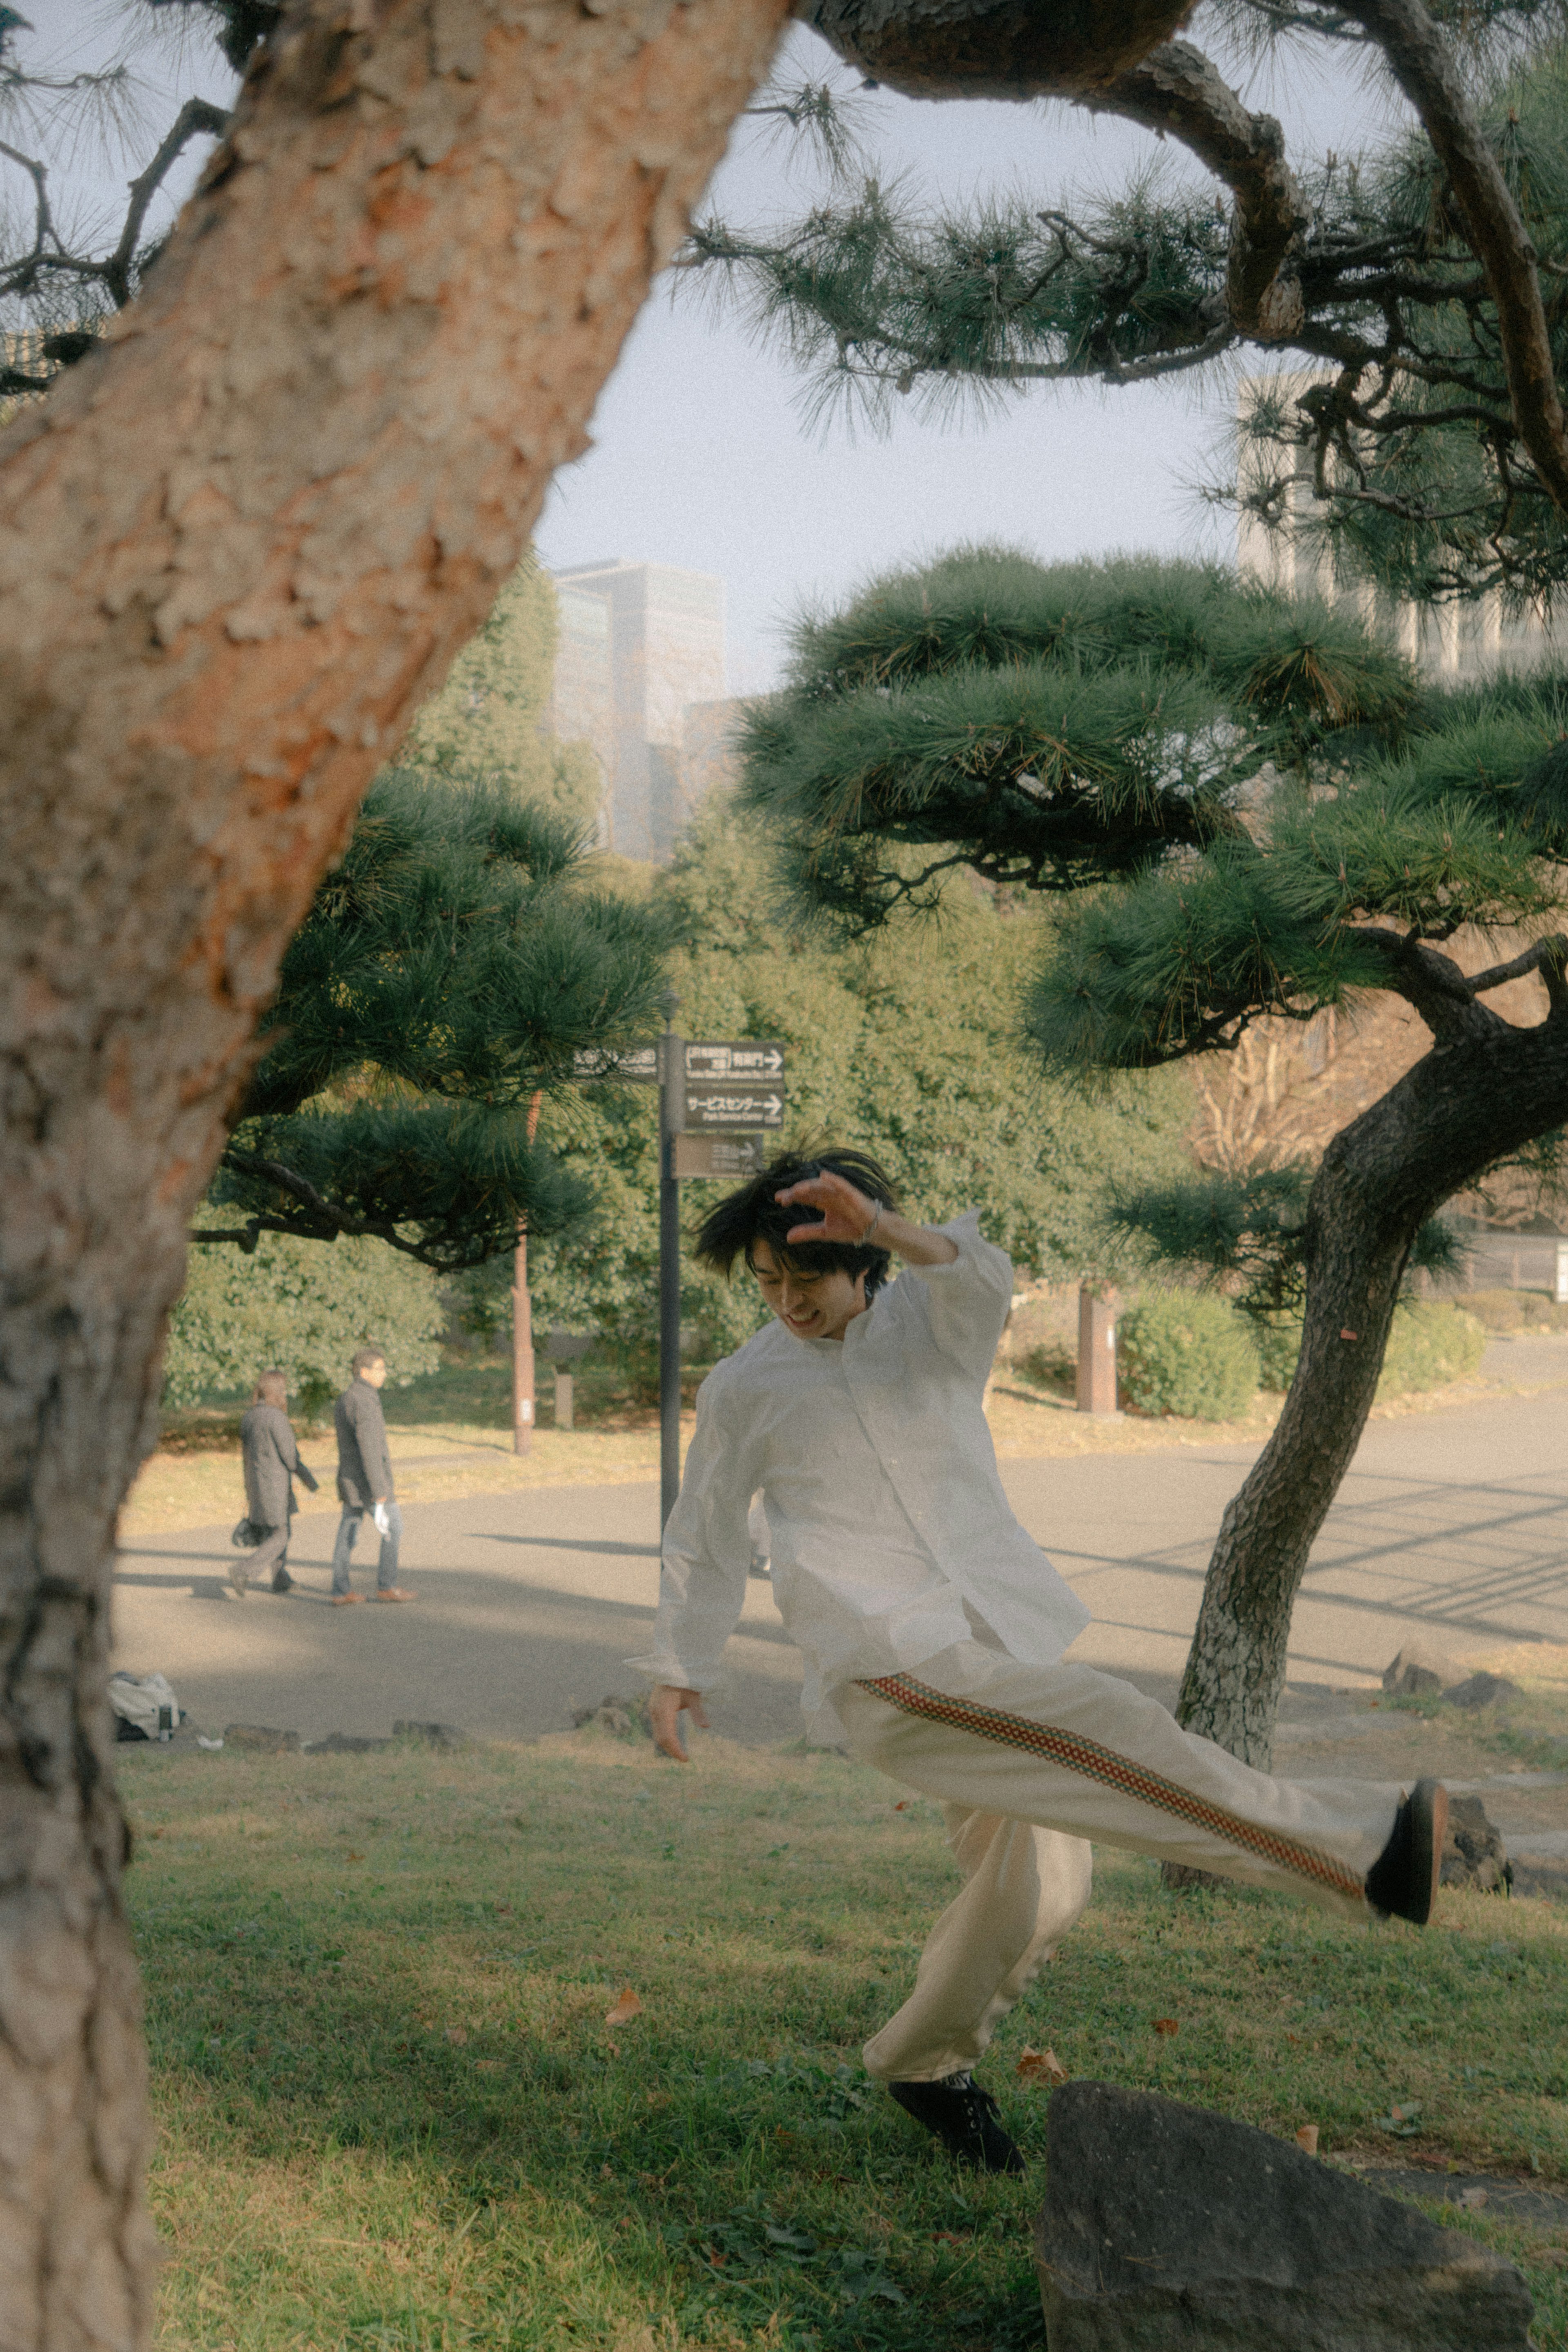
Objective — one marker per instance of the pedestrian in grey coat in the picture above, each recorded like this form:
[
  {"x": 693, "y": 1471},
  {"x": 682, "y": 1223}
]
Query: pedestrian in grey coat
[
  {"x": 272, "y": 1463},
  {"x": 365, "y": 1481}
]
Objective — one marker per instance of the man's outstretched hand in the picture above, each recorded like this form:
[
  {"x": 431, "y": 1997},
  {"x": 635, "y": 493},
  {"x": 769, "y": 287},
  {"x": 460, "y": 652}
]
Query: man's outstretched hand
[
  {"x": 665, "y": 1711},
  {"x": 846, "y": 1213}
]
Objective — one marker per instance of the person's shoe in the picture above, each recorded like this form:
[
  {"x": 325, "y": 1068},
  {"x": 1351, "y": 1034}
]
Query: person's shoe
[
  {"x": 963, "y": 2119},
  {"x": 390, "y": 1592},
  {"x": 346, "y": 1600},
  {"x": 283, "y": 1581},
  {"x": 240, "y": 1580},
  {"x": 1402, "y": 1882}
]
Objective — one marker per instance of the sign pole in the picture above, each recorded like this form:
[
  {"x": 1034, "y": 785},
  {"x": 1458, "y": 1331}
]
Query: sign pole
[
  {"x": 523, "y": 1329},
  {"x": 671, "y": 1118}
]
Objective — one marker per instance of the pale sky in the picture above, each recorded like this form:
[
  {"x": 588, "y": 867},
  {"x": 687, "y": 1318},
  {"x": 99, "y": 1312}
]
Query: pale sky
[{"x": 700, "y": 456}]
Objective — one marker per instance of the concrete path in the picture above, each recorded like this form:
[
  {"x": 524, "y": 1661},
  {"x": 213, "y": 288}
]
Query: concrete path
[{"x": 1450, "y": 1523}]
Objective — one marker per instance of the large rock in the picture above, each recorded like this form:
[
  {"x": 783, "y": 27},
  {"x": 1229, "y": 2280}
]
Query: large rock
[
  {"x": 1166, "y": 2225},
  {"x": 1473, "y": 1852},
  {"x": 1420, "y": 1670},
  {"x": 1482, "y": 1690}
]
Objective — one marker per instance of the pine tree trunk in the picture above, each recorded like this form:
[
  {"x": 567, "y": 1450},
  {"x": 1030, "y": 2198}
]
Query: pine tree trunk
[
  {"x": 1483, "y": 1091},
  {"x": 240, "y": 544}
]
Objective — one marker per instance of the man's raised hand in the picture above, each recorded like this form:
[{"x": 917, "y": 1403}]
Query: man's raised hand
[
  {"x": 846, "y": 1213},
  {"x": 665, "y": 1711}
]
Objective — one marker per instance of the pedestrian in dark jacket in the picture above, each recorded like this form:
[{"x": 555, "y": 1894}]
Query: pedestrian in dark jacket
[
  {"x": 272, "y": 1463},
  {"x": 365, "y": 1481}
]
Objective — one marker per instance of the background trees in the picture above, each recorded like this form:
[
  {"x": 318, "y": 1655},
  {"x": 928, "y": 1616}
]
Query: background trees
[
  {"x": 448, "y": 970},
  {"x": 1280, "y": 819},
  {"x": 912, "y": 1050}
]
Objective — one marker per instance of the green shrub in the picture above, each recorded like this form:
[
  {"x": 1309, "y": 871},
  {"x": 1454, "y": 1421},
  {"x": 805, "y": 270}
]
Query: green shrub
[
  {"x": 1429, "y": 1345},
  {"x": 303, "y": 1307},
  {"x": 1184, "y": 1353}
]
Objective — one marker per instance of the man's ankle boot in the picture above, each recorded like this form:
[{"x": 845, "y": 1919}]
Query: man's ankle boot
[
  {"x": 963, "y": 2119},
  {"x": 1402, "y": 1882}
]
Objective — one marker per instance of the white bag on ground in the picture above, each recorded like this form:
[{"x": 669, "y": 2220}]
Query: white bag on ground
[{"x": 145, "y": 1706}]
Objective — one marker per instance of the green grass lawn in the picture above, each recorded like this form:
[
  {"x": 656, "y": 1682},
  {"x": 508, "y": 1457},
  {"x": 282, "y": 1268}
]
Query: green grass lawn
[{"x": 392, "y": 2113}]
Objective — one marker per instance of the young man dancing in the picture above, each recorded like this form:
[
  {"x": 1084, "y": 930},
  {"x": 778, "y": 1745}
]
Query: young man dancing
[{"x": 933, "y": 1628}]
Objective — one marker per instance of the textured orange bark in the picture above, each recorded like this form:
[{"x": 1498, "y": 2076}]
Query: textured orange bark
[{"x": 241, "y": 542}]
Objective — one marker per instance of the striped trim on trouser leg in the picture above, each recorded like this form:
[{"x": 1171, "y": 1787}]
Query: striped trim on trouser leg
[{"x": 1072, "y": 1753}]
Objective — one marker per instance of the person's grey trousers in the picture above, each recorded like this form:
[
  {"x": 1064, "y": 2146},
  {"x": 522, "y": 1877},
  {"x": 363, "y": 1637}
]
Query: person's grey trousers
[
  {"x": 347, "y": 1533},
  {"x": 266, "y": 1561}
]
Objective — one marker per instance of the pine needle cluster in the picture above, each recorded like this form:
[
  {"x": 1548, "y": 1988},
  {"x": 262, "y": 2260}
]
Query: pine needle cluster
[{"x": 449, "y": 971}]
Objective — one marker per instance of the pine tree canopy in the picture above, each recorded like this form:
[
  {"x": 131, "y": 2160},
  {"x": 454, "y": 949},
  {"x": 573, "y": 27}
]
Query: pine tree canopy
[
  {"x": 447, "y": 974},
  {"x": 1273, "y": 811},
  {"x": 1366, "y": 276},
  {"x": 1050, "y": 726}
]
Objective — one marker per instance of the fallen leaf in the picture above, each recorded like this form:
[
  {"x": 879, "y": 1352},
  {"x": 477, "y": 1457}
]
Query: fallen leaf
[
  {"x": 1167, "y": 2025},
  {"x": 487, "y": 2066},
  {"x": 1041, "y": 2066},
  {"x": 458, "y": 2033},
  {"x": 627, "y": 2006},
  {"x": 901, "y": 1804},
  {"x": 353, "y": 1857},
  {"x": 1295, "y": 2038},
  {"x": 1307, "y": 2137}
]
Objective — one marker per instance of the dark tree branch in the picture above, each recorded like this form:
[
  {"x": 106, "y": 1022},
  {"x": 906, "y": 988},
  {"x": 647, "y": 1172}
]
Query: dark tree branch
[
  {"x": 1175, "y": 90},
  {"x": 1426, "y": 71},
  {"x": 195, "y": 118},
  {"x": 1546, "y": 954}
]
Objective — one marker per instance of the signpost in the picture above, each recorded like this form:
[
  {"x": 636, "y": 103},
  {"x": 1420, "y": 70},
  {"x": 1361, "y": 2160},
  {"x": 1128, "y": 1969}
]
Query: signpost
[{"x": 717, "y": 1099}]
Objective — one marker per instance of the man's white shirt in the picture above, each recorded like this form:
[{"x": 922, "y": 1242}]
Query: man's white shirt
[{"x": 893, "y": 1538}]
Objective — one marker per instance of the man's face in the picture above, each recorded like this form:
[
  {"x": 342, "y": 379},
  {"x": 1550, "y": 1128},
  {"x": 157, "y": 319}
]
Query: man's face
[
  {"x": 374, "y": 1374},
  {"x": 812, "y": 1305}
]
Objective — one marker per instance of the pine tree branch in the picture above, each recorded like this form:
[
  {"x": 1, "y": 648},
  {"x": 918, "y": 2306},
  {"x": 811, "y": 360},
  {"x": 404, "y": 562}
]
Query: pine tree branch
[
  {"x": 195, "y": 118},
  {"x": 1546, "y": 954},
  {"x": 1426, "y": 71},
  {"x": 1178, "y": 91}
]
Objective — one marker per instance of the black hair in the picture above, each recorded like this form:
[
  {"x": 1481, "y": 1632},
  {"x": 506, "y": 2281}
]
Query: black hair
[{"x": 753, "y": 1215}]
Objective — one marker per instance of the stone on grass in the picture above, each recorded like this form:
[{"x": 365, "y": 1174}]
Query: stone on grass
[
  {"x": 1167, "y": 2225},
  {"x": 1481, "y": 1690},
  {"x": 260, "y": 1739},
  {"x": 1419, "y": 1671},
  {"x": 345, "y": 1743},
  {"x": 435, "y": 1735},
  {"x": 1473, "y": 1852},
  {"x": 626, "y": 1718}
]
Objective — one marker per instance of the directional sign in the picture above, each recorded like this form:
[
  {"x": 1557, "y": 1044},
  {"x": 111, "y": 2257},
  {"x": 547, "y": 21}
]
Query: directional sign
[
  {"x": 744, "y": 1106},
  {"x": 719, "y": 1155},
  {"x": 633, "y": 1065},
  {"x": 743, "y": 1057}
]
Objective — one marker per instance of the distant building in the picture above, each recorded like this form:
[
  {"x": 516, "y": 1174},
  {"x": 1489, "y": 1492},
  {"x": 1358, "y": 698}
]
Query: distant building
[
  {"x": 638, "y": 643},
  {"x": 708, "y": 762},
  {"x": 1453, "y": 643},
  {"x": 582, "y": 697}
]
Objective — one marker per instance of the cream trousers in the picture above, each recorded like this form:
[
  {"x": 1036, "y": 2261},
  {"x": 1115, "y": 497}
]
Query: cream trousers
[{"x": 1030, "y": 1762}]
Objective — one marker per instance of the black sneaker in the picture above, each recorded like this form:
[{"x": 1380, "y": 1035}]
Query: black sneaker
[
  {"x": 1402, "y": 1882},
  {"x": 963, "y": 2119},
  {"x": 283, "y": 1581}
]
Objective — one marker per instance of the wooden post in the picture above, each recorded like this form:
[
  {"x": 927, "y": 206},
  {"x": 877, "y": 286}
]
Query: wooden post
[
  {"x": 1096, "y": 1352},
  {"x": 671, "y": 1118},
  {"x": 523, "y": 1329}
]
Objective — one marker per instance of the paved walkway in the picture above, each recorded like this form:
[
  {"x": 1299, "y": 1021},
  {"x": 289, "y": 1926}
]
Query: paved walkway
[{"x": 1451, "y": 1523}]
